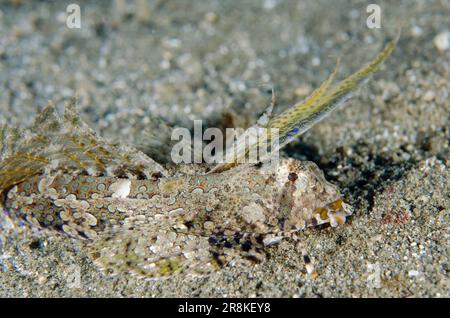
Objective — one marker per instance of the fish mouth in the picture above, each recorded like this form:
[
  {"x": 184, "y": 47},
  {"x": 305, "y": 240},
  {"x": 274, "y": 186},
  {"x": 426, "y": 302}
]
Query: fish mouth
[{"x": 334, "y": 213}]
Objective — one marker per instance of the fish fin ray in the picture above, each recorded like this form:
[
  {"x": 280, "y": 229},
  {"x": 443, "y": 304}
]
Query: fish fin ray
[{"x": 302, "y": 116}]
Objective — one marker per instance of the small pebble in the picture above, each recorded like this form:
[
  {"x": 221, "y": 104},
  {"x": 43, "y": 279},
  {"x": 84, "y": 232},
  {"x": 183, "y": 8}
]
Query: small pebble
[
  {"x": 42, "y": 280},
  {"x": 442, "y": 41},
  {"x": 413, "y": 273},
  {"x": 429, "y": 96},
  {"x": 416, "y": 31},
  {"x": 303, "y": 90},
  {"x": 212, "y": 17}
]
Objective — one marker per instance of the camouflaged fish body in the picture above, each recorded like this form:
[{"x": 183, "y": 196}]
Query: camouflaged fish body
[
  {"x": 139, "y": 217},
  {"x": 243, "y": 209}
]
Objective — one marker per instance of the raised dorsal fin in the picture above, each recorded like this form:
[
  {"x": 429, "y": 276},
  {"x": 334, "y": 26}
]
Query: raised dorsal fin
[{"x": 299, "y": 118}]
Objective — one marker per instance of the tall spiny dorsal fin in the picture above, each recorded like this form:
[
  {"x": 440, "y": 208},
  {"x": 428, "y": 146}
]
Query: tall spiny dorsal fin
[{"x": 302, "y": 116}]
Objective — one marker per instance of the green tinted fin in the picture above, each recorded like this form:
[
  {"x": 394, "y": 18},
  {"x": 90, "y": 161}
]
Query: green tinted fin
[{"x": 302, "y": 116}]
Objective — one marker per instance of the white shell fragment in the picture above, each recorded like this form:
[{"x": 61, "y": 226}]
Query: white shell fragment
[{"x": 121, "y": 189}]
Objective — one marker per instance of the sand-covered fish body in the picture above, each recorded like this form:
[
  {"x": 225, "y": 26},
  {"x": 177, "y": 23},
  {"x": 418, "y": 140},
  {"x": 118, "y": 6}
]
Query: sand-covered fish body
[
  {"x": 140, "y": 217},
  {"x": 242, "y": 210},
  {"x": 247, "y": 199}
]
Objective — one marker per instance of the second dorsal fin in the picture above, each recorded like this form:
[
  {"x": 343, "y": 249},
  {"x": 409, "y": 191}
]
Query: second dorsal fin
[{"x": 67, "y": 144}]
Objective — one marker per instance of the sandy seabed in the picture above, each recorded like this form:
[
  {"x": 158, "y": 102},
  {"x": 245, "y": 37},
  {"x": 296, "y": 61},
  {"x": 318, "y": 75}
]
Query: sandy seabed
[{"x": 388, "y": 149}]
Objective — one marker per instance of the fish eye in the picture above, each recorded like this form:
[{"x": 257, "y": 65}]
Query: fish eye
[{"x": 292, "y": 176}]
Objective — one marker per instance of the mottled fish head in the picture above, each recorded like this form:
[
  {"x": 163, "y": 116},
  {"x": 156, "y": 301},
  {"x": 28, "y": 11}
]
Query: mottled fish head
[{"x": 306, "y": 198}]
